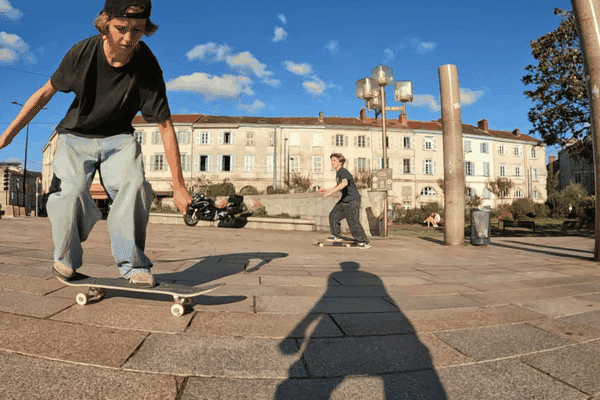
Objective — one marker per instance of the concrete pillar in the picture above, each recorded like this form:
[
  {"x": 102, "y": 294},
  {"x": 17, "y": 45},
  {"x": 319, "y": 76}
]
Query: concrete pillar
[
  {"x": 586, "y": 14},
  {"x": 454, "y": 178}
]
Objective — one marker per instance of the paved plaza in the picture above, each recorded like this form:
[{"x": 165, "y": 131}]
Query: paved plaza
[{"x": 407, "y": 319}]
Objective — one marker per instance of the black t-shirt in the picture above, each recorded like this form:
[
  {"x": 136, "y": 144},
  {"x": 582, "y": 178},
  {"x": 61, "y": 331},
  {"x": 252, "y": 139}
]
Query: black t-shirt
[
  {"x": 107, "y": 98},
  {"x": 349, "y": 193}
]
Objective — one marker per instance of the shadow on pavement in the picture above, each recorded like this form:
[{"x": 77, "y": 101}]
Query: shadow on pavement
[
  {"x": 550, "y": 247},
  {"x": 546, "y": 252},
  {"x": 378, "y": 341},
  {"x": 214, "y": 267}
]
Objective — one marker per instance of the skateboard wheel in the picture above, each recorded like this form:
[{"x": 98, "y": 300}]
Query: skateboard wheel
[
  {"x": 177, "y": 310},
  {"x": 81, "y": 299},
  {"x": 320, "y": 244},
  {"x": 347, "y": 245}
]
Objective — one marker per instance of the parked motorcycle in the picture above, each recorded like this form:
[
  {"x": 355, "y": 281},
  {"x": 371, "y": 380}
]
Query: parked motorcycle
[{"x": 203, "y": 208}]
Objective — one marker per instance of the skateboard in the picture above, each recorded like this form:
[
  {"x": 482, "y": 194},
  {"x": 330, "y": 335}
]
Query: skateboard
[
  {"x": 346, "y": 243},
  {"x": 97, "y": 287}
]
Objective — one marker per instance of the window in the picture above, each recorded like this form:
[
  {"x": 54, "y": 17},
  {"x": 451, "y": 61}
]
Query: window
[
  {"x": 407, "y": 142},
  {"x": 272, "y": 139},
  {"x": 380, "y": 163},
  {"x": 469, "y": 168},
  {"x": 407, "y": 205},
  {"x": 577, "y": 177},
  {"x": 339, "y": 140},
  {"x": 250, "y": 139},
  {"x": 317, "y": 164},
  {"x": 518, "y": 171},
  {"x": 486, "y": 169},
  {"x": 360, "y": 141},
  {"x": 156, "y": 138},
  {"x": 226, "y": 163},
  {"x": 519, "y": 194},
  {"x": 484, "y": 148},
  {"x": 227, "y": 137},
  {"x": 470, "y": 192},
  {"x": 388, "y": 142},
  {"x": 249, "y": 163},
  {"x": 502, "y": 150},
  {"x": 408, "y": 166},
  {"x": 185, "y": 160},
  {"x": 157, "y": 163},
  {"x": 486, "y": 193},
  {"x": 294, "y": 139},
  {"x": 428, "y": 191},
  {"x": 535, "y": 194},
  {"x": 518, "y": 151},
  {"x": 534, "y": 152},
  {"x": 535, "y": 174},
  {"x": 183, "y": 137},
  {"x": 204, "y": 138},
  {"x": 360, "y": 164},
  {"x": 294, "y": 164},
  {"x": 140, "y": 136},
  {"x": 429, "y": 143},
  {"x": 504, "y": 171},
  {"x": 428, "y": 167},
  {"x": 317, "y": 139},
  {"x": 202, "y": 163},
  {"x": 467, "y": 146}
]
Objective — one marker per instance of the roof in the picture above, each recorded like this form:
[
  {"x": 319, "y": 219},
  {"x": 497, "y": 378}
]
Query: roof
[{"x": 435, "y": 125}]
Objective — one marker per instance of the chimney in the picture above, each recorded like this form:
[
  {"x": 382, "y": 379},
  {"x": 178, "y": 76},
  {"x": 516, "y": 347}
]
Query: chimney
[
  {"x": 403, "y": 119},
  {"x": 363, "y": 114},
  {"x": 551, "y": 159},
  {"x": 516, "y": 132},
  {"x": 320, "y": 116},
  {"x": 483, "y": 124}
]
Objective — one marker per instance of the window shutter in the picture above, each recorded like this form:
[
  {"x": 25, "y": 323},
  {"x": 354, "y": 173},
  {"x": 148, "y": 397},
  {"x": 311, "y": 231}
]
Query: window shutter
[
  {"x": 434, "y": 167},
  {"x": 232, "y": 163},
  {"x": 333, "y": 140},
  {"x": 368, "y": 142},
  {"x": 152, "y": 160},
  {"x": 434, "y": 143},
  {"x": 232, "y": 137},
  {"x": 423, "y": 144},
  {"x": 355, "y": 141},
  {"x": 346, "y": 141},
  {"x": 220, "y": 137},
  {"x": 412, "y": 165},
  {"x": 423, "y": 167}
]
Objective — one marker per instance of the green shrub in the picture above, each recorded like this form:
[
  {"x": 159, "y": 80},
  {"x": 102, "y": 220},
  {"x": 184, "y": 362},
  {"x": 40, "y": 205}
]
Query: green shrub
[
  {"x": 541, "y": 210},
  {"x": 225, "y": 188},
  {"x": 522, "y": 208},
  {"x": 416, "y": 216},
  {"x": 249, "y": 191}
]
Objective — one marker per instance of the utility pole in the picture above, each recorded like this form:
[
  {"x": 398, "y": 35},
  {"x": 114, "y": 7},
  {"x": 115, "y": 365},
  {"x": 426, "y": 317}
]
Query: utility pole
[{"x": 586, "y": 14}]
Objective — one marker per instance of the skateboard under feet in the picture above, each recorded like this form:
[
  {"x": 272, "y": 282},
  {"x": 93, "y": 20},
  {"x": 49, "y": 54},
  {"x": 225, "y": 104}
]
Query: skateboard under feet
[
  {"x": 97, "y": 288},
  {"x": 345, "y": 243}
]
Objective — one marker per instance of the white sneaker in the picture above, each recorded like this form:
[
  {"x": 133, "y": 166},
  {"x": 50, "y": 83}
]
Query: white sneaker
[
  {"x": 62, "y": 271},
  {"x": 144, "y": 279}
]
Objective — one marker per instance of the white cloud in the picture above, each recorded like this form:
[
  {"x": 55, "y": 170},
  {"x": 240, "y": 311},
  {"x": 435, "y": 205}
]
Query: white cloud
[
  {"x": 280, "y": 34},
  {"x": 251, "y": 108},
  {"x": 333, "y": 46},
  {"x": 13, "y": 48},
  {"x": 272, "y": 82},
  {"x": 416, "y": 45},
  {"x": 468, "y": 96},
  {"x": 212, "y": 87},
  {"x": 425, "y": 47},
  {"x": 389, "y": 55},
  {"x": 8, "y": 12},
  {"x": 298, "y": 69},
  {"x": 282, "y": 18}
]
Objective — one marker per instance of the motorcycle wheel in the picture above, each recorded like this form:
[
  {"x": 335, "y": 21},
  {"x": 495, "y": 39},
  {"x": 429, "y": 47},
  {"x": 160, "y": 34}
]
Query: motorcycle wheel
[
  {"x": 228, "y": 221},
  {"x": 190, "y": 220}
]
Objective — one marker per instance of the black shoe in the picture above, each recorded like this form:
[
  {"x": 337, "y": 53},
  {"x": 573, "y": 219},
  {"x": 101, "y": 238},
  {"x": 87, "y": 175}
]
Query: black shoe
[{"x": 334, "y": 238}]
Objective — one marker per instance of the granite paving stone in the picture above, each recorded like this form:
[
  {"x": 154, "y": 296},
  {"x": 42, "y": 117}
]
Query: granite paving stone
[
  {"x": 578, "y": 365},
  {"x": 29, "y": 378},
  {"x": 32, "y": 305},
  {"x": 523, "y": 295},
  {"x": 28, "y": 284},
  {"x": 410, "y": 303},
  {"x": 39, "y": 271},
  {"x": 433, "y": 289},
  {"x": 298, "y": 280},
  {"x": 581, "y": 327},
  {"x": 501, "y": 341},
  {"x": 217, "y": 357},
  {"x": 373, "y": 324},
  {"x": 561, "y": 307},
  {"x": 70, "y": 342},
  {"x": 287, "y": 305}
]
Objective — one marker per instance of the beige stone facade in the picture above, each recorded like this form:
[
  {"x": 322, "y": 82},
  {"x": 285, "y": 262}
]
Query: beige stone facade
[{"x": 250, "y": 151}]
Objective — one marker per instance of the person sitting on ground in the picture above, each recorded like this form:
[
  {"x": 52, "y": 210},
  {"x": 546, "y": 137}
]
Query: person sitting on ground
[{"x": 433, "y": 219}]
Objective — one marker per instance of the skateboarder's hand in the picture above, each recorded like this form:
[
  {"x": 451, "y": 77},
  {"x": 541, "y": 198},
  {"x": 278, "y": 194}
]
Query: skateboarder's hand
[{"x": 182, "y": 199}]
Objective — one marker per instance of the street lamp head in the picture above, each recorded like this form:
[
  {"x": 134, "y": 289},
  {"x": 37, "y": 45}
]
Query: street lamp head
[
  {"x": 366, "y": 88},
  {"x": 403, "y": 91},
  {"x": 383, "y": 75}
]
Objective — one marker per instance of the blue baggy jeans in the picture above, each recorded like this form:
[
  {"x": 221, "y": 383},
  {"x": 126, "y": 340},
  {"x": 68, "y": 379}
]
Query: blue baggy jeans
[{"x": 73, "y": 213}]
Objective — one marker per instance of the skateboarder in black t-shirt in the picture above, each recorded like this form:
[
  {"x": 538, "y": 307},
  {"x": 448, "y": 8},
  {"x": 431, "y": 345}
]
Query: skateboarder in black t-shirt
[
  {"x": 349, "y": 205},
  {"x": 113, "y": 75}
]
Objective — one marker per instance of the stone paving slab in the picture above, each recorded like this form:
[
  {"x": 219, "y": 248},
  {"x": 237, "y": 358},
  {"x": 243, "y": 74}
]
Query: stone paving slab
[
  {"x": 32, "y": 378},
  {"x": 256, "y": 358},
  {"x": 411, "y": 303},
  {"x": 369, "y": 324},
  {"x": 561, "y": 307},
  {"x": 112, "y": 314},
  {"x": 262, "y": 325},
  {"x": 43, "y": 271},
  {"x": 504, "y": 380},
  {"x": 32, "y": 305},
  {"x": 522, "y": 295},
  {"x": 70, "y": 342},
  {"x": 28, "y": 284},
  {"x": 436, "y": 289},
  {"x": 464, "y": 318},
  {"x": 578, "y": 366},
  {"x": 580, "y": 327},
  {"x": 298, "y": 280},
  {"x": 501, "y": 341}
]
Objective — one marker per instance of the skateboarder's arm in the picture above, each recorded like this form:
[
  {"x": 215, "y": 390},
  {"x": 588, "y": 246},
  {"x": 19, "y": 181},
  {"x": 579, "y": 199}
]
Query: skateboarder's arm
[
  {"x": 329, "y": 192},
  {"x": 181, "y": 196},
  {"x": 32, "y": 106}
]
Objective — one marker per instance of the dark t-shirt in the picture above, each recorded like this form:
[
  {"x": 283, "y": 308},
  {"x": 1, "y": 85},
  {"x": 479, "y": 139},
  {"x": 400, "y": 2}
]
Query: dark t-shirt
[
  {"x": 349, "y": 193},
  {"x": 107, "y": 98}
]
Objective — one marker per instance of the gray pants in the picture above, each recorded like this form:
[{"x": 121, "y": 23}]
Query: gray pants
[
  {"x": 73, "y": 213},
  {"x": 350, "y": 211}
]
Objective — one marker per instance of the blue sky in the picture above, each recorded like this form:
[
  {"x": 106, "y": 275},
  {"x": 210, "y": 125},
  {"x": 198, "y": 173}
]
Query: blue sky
[{"x": 272, "y": 59}]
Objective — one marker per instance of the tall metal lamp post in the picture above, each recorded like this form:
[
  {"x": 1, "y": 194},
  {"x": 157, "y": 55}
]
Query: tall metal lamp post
[{"x": 372, "y": 91}]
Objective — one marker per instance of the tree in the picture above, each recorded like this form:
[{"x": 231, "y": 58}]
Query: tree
[
  {"x": 561, "y": 108},
  {"x": 500, "y": 187}
]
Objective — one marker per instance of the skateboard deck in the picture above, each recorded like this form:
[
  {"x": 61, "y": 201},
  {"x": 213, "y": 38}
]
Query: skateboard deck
[
  {"x": 346, "y": 243},
  {"x": 182, "y": 295}
]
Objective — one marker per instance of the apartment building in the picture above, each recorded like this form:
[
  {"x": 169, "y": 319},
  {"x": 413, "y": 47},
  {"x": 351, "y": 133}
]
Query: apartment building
[{"x": 252, "y": 151}]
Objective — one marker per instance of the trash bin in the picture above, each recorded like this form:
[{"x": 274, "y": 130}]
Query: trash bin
[{"x": 480, "y": 226}]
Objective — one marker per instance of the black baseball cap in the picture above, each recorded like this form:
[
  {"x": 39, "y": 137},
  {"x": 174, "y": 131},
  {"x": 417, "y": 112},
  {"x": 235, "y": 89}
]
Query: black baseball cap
[{"x": 118, "y": 8}]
